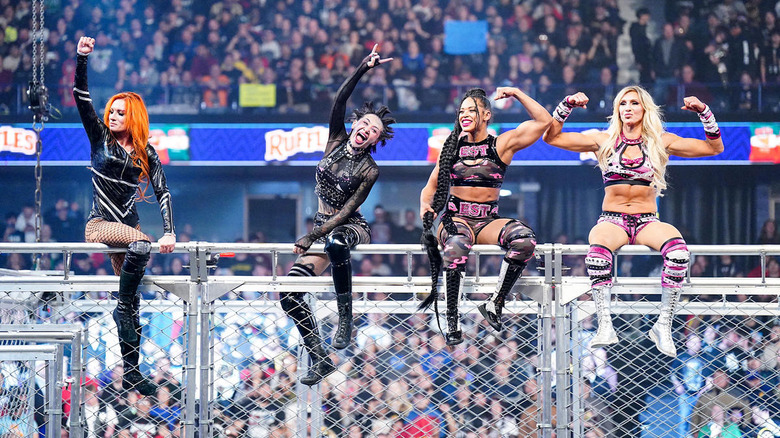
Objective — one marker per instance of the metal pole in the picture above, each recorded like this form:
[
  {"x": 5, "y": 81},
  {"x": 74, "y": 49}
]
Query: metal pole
[
  {"x": 205, "y": 310},
  {"x": 562, "y": 381},
  {"x": 76, "y": 400},
  {"x": 190, "y": 365},
  {"x": 545, "y": 345},
  {"x": 576, "y": 405}
]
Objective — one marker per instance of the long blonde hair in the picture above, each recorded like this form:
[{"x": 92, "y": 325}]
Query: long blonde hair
[{"x": 652, "y": 129}]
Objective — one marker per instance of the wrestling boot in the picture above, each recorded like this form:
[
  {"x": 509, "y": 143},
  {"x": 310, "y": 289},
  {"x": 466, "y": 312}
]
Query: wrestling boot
[
  {"x": 321, "y": 365},
  {"x": 454, "y": 284},
  {"x": 605, "y": 335},
  {"x": 133, "y": 380},
  {"x": 337, "y": 248},
  {"x": 492, "y": 307},
  {"x": 343, "y": 335},
  {"x": 125, "y": 314},
  {"x": 661, "y": 332}
]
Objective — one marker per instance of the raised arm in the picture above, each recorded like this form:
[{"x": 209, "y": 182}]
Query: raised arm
[
  {"x": 692, "y": 147},
  {"x": 338, "y": 113},
  {"x": 350, "y": 207},
  {"x": 92, "y": 124},
  {"x": 530, "y": 130},
  {"x": 571, "y": 141}
]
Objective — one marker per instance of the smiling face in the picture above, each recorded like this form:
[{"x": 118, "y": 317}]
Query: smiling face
[
  {"x": 472, "y": 116},
  {"x": 630, "y": 108},
  {"x": 366, "y": 131},
  {"x": 116, "y": 117}
]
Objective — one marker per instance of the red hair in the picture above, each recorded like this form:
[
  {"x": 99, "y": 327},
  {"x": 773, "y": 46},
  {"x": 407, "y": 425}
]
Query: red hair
[{"x": 137, "y": 122}]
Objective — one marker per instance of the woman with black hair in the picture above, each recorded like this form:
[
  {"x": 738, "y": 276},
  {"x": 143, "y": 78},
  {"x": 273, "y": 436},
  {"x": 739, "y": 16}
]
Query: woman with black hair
[
  {"x": 344, "y": 177},
  {"x": 467, "y": 180}
]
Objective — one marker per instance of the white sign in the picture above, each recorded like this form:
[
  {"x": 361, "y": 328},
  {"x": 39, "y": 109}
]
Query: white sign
[
  {"x": 18, "y": 140},
  {"x": 281, "y": 145}
]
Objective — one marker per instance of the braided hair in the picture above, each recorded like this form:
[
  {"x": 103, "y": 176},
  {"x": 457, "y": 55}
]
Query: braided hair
[
  {"x": 446, "y": 161},
  {"x": 383, "y": 113}
]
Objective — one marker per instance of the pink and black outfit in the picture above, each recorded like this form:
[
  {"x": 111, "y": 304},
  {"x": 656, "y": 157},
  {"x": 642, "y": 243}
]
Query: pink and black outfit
[{"x": 599, "y": 260}]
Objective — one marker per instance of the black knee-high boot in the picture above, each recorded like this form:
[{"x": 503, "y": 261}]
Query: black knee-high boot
[
  {"x": 126, "y": 315},
  {"x": 492, "y": 307},
  {"x": 337, "y": 249},
  {"x": 297, "y": 309},
  {"x": 454, "y": 283},
  {"x": 132, "y": 378}
]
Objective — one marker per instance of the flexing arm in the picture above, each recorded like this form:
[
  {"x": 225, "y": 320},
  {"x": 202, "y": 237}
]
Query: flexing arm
[
  {"x": 530, "y": 130},
  {"x": 92, "y": 124},
  {"x": 571, "y": 141},
  {"x": 341, "y": 217},
  {"x": 692, "y": 147}
]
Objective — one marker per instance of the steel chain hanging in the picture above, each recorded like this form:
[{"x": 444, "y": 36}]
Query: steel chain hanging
[{"x": 38, "y": 100}]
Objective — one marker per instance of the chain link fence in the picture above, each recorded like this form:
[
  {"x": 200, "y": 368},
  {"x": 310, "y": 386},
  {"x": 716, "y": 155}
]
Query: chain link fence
[{"x": 227, "y": 360}]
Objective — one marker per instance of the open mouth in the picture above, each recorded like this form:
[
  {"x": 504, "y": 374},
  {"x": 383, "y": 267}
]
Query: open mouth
[
  {"x": 465, "y": 123},
  {"x": 360, "y": 138}
]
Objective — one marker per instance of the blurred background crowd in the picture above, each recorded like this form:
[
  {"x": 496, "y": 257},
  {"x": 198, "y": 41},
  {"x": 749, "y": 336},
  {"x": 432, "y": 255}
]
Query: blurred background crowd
[{"x": 190, "y": 57}]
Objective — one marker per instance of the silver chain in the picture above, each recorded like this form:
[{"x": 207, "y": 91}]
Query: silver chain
[{"x": 37, "y": 77}]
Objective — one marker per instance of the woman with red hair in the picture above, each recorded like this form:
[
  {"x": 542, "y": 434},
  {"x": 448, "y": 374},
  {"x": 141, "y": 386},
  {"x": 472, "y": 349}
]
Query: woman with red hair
[{"x": 121, "y": 160}]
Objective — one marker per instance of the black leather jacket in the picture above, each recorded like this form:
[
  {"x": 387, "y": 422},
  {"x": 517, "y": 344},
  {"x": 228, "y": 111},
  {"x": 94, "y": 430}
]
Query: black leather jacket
[{"x": 114, "y": 177}]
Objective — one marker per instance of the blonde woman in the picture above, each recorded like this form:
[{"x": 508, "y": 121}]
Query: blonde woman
[{"x": 633, "y": 153}]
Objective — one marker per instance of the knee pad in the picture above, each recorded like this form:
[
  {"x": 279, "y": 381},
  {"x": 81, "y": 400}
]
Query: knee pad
[
  {"x": 599, "y": 264},
  {"x": 137, "y": 256},
  {"x": 457, "y": 247},
  {"x": 676, "y": 258},
  {"x": 519, "y": 240},
  {"x": 337, "y": 248}
]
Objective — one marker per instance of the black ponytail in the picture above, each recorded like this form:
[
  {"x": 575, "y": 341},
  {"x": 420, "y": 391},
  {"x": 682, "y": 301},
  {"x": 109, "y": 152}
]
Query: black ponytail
[{"x": 446, "y": 160}]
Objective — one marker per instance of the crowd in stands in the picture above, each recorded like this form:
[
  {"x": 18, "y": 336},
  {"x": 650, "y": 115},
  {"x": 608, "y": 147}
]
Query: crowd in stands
[{"x": 186, "y": 56}]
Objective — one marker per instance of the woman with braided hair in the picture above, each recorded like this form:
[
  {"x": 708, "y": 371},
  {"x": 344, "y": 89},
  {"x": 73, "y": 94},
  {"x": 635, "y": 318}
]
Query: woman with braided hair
[
  {"x": 344, "y": 177},
  {"x": 465, "y": 183},
  {"x": 633, "y": 153},
  {"x": 121, "y": 159}
]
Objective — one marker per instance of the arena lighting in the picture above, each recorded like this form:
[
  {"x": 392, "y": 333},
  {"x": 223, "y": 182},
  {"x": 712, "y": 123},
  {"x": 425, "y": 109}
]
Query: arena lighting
[{"x": 505, "y": 192}]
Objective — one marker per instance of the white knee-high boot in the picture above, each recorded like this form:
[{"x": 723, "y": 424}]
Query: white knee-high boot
[
  {"x": 605, "y": 335},
  {"x": 661, "y": 332}
]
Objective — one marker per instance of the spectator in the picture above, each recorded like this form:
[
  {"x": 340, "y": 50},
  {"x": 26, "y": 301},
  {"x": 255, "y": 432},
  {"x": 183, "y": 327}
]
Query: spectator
[
  {"x": 769, "y": 234},
  {"x": 745, "y": 96},
  {"x": 669, "y": 55},
  {"x": 688, "y": 375},
  {"x": 692, "y": 87},
  {"x": 215, "y": 89},
  {"x": 641, "y": 46},
  {"x": 770, "y": 68},
  {"x": 741, "y": 55},
  {"x": 723, "y": 395}
]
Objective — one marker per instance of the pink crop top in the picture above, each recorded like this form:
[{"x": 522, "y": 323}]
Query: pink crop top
[{"x": 633, "y": 171}]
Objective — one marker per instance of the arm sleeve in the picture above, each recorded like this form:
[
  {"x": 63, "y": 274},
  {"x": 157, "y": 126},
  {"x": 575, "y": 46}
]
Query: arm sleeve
[
  {"x": 338, "y": 112},
  {"x": 92, "y": 124},
  {"x": 350, "y": 206},
  {"x": 160, "y": 186}
]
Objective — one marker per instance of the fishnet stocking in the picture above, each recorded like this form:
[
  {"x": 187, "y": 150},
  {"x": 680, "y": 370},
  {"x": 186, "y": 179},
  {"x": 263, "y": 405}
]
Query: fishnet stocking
[{"x": 114, "y": 234}]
